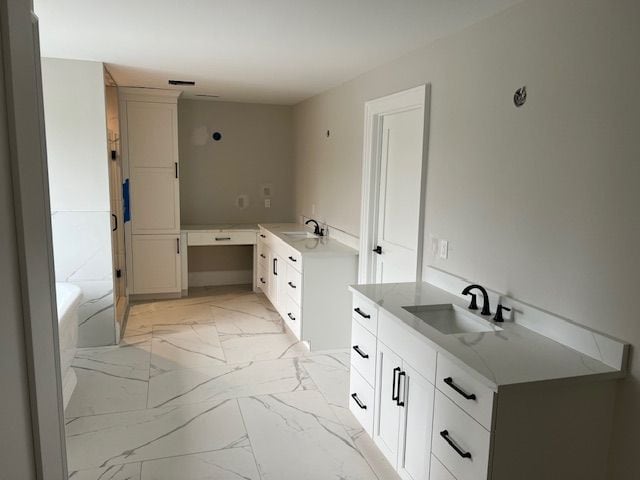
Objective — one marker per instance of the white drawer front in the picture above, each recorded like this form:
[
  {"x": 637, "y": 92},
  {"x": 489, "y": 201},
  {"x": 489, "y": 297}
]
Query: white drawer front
[
  {"x": 438, "y": 472},
  {"x": 294, "y": 284},
  {"x": 363, "y": 352},
  {"x": 472, "y": 440},
  {"x": 465, "y": 391},
  {"x": 221, "y": 238},
  {"x": 415, "y": 352},
  {"x": 294, "y": 259},
  {"x": 366, "y": 313},
  {"x": 361, "y": 401},
  {"x": 293, "y": 317}
]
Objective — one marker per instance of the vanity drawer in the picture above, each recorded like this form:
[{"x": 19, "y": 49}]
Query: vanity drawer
[
  {"x": 459, "y": 385},
  {"x": 459, "y": 442},
  {"x": 361, "y": 401},
  {"x": 294, "y": 284},
  {"x": 293, "y": 316},
  {"x": 366, "y": 313},
  {"x": 363, "y": 352},
  {"x": 438, "y": 472},
  {"x": 261, "y": 277},
  {"x": 221, "y": 238},
  {"x": 294, "y": 259}
]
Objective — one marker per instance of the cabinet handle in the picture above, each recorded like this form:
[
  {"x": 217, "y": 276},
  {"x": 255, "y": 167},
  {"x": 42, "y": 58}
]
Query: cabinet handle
[
  {"x": 378, "y": 250},
  {"x": 468, "y": 396},
  {"x": 115, "y": 221},
  {"x": 262, "y": 280},
  {"x": 292, "y": 259},
  {"x": 361, "y": 313},
  {"x": 360, "y": 352},
  {"x": 176, "y": 164},
  {"x": 357, "y": 400},
  {"x": 292, "y": 285},
  {"x": 275, "y": 266},
  {"x": 445, "y": 434},
  {"x": 178, "y": 246},
  {"x": 291, "y": 317},
  {"x": 263, "y": 236},
  {"x": 401, "y": 374},
  {"x": 218, "y": 239},
  {"x": 394, "y": 396},
  {"x": 262, "y": 255}
]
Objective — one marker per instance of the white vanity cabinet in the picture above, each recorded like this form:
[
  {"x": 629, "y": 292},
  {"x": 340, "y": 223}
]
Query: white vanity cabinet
[
  {"x": 434, "y": 418},
  {"x": 308, "y": 288}
]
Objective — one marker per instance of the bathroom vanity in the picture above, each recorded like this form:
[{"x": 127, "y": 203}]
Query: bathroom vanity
[
  {"x": 305, "y": 276},
  {"x": 447, "y": 394}
]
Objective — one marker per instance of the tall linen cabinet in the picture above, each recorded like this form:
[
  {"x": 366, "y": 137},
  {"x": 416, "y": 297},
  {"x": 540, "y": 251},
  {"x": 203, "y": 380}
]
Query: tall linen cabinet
[{"x": 149, "y": 120}]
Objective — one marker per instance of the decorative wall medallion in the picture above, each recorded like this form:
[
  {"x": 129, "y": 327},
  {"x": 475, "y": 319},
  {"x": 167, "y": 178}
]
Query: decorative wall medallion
[{"x": 520, "y": 97}]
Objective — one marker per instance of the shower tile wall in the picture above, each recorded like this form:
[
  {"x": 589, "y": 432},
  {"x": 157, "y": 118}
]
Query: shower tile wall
[
  {"x": 82, "y": 255},
  {"x": 76, "y": 133}
]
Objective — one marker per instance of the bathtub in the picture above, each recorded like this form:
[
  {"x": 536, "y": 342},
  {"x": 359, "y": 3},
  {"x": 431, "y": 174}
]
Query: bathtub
[{"x": 68, "y": 298}]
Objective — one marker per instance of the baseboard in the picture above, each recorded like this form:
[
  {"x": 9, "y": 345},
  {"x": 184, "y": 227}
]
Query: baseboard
[{"x": 225, "y": 277}]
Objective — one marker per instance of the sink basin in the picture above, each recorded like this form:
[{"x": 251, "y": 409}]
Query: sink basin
[
  {"x": 296, "y": 235},
  {"x": 451, "y": 319}
]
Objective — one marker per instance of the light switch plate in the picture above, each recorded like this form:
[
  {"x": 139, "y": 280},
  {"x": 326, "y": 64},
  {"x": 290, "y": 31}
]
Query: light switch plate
[
  {"x": 267, "y": 203},
  {"x": 444, "y": 249}
]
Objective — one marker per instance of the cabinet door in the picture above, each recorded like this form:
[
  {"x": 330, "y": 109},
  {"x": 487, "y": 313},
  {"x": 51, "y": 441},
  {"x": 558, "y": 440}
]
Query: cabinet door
[
  {"x": 272, "y": 286},
  {"x": 156, "y": 264},
  {"x": 152, "y": 152},
  {"x": 386, "y": 428},
  {"x": 281, "y": 284},
  {"x": 416, "y": 424}
]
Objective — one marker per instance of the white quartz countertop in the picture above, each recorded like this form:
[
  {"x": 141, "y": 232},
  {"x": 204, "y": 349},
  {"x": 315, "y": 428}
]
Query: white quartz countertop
[
  {"x": 251, "y": 227},
  {"x": 312, "y": 245},
  {"x": 513, "y": 355}
]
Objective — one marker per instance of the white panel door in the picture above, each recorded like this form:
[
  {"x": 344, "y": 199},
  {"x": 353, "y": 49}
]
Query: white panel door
[
  {"x": 152, "y": 149},
  {"x": 386, "y": 428},
  {"x": 399, "y": 196},
  {"x": 416, "y": 425},
  {"x": 155, "y": 206},
  {"x": 156, "y": 264}
]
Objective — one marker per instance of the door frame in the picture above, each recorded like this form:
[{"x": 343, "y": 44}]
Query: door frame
[
  {"x": 28, "y": 160},
  {"x": 374, "y": 110}
]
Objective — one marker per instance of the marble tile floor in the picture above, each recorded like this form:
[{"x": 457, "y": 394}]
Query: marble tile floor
[{"x": 213, "y": 386}]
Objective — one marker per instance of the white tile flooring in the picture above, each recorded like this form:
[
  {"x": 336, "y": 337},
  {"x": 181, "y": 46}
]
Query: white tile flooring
[{"x": 212, "y": 386}]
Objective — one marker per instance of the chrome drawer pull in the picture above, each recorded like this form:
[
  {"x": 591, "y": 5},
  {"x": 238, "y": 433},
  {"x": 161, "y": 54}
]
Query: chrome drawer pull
[
  {"x": 360, "y": 352},
  {"x": 357, "y": 400},
  {"x": 361, "y": 313},
  {"x": 445, "y": 434},
  {"x": 468, "y": 396}
]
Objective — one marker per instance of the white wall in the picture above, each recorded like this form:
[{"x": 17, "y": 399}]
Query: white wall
[
  {"x": 539, "y": 202},
  {"x": 76, "y": 131}
]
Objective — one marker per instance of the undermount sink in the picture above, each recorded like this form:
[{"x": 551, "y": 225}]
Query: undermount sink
[
  {"x": 297, "y": 235},
  {"x": 451, "y": 319}
]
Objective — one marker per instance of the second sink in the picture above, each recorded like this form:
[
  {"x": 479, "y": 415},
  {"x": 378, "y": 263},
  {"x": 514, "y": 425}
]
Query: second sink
[{"x": 451, "y": 319}]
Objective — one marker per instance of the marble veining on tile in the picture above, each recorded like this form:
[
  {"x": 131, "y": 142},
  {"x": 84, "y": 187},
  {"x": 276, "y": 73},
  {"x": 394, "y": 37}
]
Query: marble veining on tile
[{"x": 213, "y": 386}]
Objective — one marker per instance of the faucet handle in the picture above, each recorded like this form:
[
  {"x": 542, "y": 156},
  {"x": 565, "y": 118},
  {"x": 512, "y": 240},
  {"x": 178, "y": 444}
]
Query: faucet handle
[
  {"x": 474, "y": 304},
  {"x": 498, "y": 317}
]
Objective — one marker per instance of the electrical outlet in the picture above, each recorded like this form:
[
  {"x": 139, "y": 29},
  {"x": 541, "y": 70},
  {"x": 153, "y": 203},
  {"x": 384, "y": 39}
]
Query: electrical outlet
[
  {"x": 444, "y": 249},
  {"x": 267, "y": 203},
  {"x": 434, "y": 246}
]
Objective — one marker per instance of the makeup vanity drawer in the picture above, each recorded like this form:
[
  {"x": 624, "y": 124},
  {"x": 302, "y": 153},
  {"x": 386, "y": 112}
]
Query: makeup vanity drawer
[
  {"x": 459, "y": 442},
  {"x": 465, "y": 391},
  {"x": 221, "y": 238}
]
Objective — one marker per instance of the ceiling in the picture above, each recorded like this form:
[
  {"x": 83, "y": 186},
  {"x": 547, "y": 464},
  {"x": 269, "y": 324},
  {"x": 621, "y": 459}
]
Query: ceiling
[{"x": 265, "y": 51}]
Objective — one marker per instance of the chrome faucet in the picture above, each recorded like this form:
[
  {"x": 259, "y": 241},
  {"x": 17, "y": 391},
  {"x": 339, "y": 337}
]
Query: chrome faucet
[
  {"x": 486, "y": 309},
  {"x": 317, "y": 230}
]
